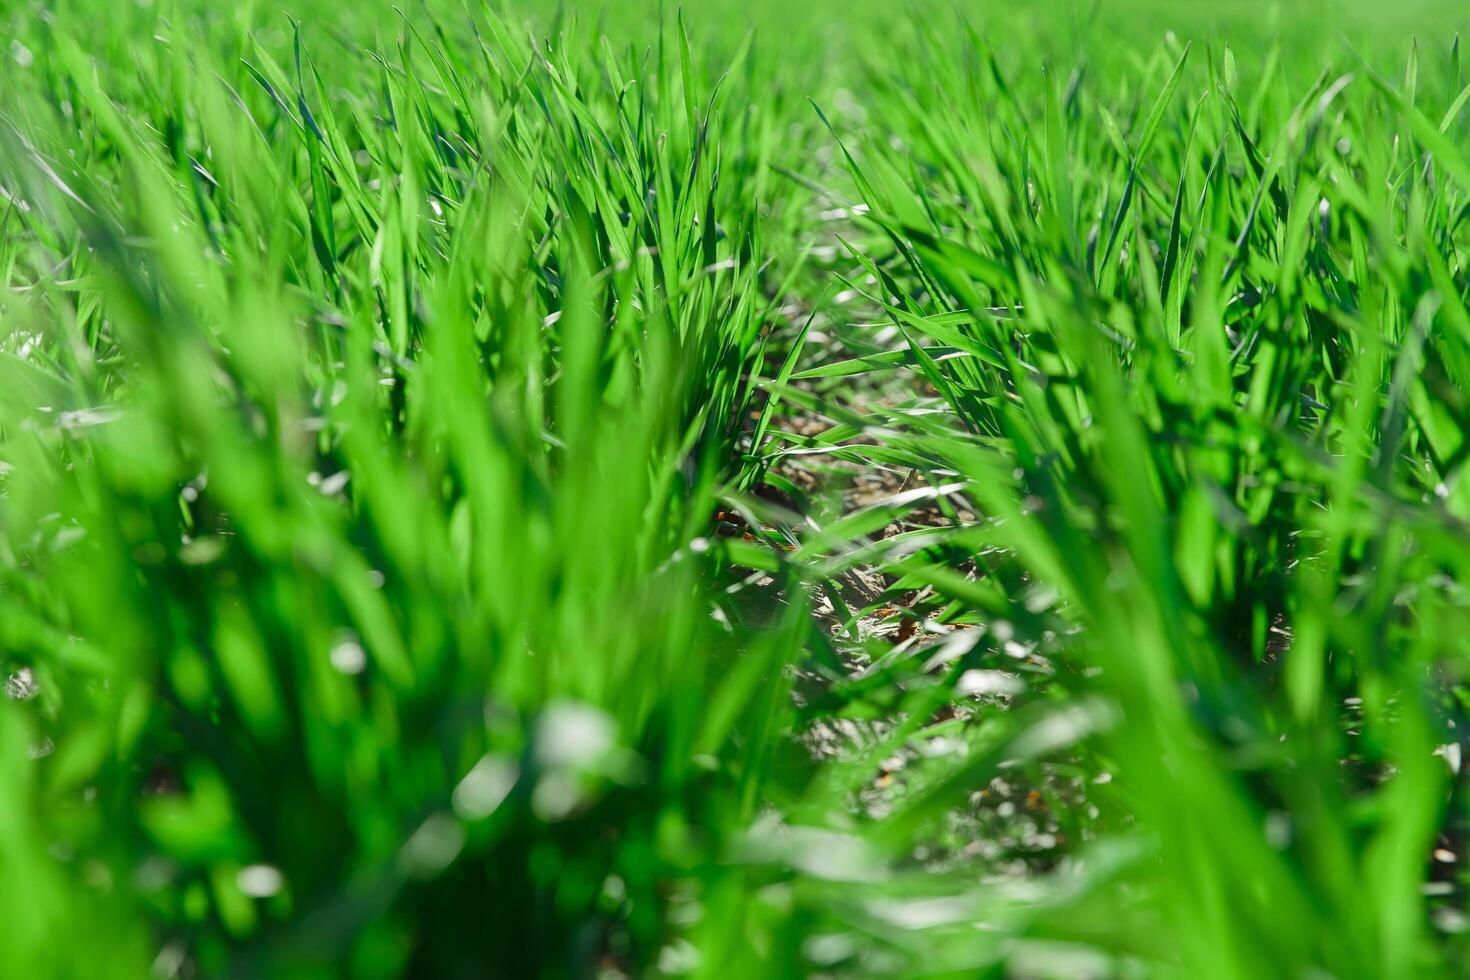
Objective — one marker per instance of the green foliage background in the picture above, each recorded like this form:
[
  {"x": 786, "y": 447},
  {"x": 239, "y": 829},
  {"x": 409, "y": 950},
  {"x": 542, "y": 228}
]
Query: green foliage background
[{"x": 437, "y": 534}]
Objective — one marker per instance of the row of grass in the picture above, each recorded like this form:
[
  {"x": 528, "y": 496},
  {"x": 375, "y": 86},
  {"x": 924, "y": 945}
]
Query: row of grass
[{"x": 740, "y": 492}]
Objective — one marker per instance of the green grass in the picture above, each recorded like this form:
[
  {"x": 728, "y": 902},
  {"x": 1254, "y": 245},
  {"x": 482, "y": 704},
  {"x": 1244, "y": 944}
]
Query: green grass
[{"x": 956, "y": 490}]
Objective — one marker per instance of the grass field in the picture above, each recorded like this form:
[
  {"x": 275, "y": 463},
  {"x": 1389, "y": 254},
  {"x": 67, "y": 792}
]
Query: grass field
[{"x": 761, "y": 490}]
